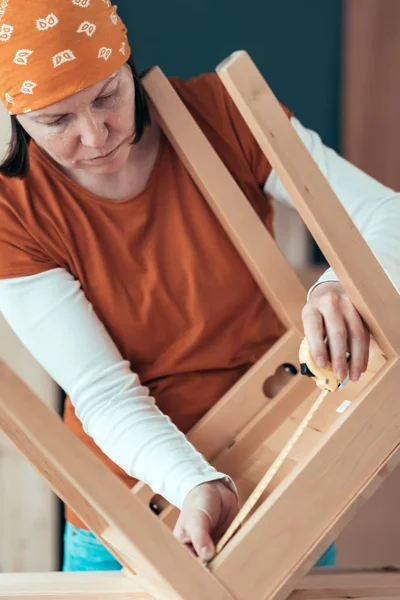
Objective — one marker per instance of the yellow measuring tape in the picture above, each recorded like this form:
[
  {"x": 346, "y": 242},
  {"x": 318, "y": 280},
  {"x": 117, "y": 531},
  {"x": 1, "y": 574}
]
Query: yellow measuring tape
[{"x": 326, "y": 380}]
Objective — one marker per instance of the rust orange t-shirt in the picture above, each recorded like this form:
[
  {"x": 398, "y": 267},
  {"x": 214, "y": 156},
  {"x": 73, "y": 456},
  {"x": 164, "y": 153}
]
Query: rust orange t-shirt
[{"x": 158, "y": 268}]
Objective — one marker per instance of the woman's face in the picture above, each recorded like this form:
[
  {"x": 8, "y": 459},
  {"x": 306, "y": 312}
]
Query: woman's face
[{"x": 90, "y": 130}]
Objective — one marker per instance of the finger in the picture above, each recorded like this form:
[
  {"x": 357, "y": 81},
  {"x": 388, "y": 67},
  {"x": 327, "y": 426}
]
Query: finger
[
  {"x": 336, "y": 331},
  {"x": 182, "y": 536},
  {"x": 225, "y": 521},
  {"x": 180, "y": 533},
  {"x": 198, "y": 528},
  {"x": 358, "y": 342},
  {"x": 191, "y": 549},
  {"x": 314, "y": 331},
  {"x": 367, "y": 348}
]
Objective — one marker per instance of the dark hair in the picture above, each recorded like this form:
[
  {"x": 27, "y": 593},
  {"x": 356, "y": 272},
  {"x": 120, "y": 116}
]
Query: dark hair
[{"x": 16, "y": 162}]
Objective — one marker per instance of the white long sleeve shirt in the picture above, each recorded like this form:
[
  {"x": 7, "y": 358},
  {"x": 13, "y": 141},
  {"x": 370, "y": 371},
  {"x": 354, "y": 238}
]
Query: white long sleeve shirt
[
  {"x": 113, "y": 406},
  {"x": 373, "y": 207}
]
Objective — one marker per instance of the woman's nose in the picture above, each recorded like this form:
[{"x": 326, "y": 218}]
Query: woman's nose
[{"x": 93, "y": 132}]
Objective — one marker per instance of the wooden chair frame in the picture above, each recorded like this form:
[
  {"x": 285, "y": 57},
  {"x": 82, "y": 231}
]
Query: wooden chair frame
[{"x": 341, "y": 459}]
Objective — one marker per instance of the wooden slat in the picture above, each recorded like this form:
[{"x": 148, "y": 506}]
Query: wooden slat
[
  {"x": 110, "y": 585},
  {"x": 318, "y": 585},
  {"x": 307, "y": 507},
  {"x": 335, "y": 584},
  {"x": 360, "y": 273},
  {"x": 100, "y": 498},
  {"x": 33, "y": 432},
  {"x": 270, "y": 269}
]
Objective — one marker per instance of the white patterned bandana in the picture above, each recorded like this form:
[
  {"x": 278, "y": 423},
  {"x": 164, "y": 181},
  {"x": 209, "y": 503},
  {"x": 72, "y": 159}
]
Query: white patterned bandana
[{"x": 50, "y": 49}]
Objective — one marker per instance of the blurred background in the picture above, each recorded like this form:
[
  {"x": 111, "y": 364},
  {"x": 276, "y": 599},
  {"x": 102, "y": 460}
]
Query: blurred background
[{"x": 335, "y": 64}]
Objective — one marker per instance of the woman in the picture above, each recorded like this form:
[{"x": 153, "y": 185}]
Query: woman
[{"x": 135, "y": 292}]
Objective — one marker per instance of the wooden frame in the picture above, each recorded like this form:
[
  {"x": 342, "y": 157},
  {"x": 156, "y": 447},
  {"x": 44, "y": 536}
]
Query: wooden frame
[{"x": 342, "y": 457}]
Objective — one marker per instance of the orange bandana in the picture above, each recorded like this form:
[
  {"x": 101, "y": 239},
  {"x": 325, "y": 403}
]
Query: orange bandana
[{"x": 50, "y": 49}]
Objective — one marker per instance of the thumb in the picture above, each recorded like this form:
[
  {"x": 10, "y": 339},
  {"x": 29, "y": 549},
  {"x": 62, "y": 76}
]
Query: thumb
[
  {"x": 198, "y": 528},
  {"x": 180, "y": 533}
]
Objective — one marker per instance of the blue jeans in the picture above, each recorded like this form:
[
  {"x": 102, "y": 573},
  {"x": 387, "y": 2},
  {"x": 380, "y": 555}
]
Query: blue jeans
[{"x": 83, "y": 552}]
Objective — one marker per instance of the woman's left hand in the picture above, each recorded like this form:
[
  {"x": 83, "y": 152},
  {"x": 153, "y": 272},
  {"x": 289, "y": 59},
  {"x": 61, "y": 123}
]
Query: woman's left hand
[
  {"x": 330, "y": 313},
  {"x": 207, "y": 512}
]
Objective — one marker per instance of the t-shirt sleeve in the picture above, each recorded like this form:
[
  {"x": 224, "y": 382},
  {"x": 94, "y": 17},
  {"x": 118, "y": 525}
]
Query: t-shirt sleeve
[{"x": 20, "y": 253}]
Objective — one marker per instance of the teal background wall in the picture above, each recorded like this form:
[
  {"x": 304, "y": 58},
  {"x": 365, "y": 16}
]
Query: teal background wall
[{"x": 295, "y": 43}]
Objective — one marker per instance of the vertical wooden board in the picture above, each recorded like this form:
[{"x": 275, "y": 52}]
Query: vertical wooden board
[
  {"x": 29, "y": 516},
  {"x": 28, "y": 508},
  {"x": 370, "y": 123},
  {"x": 29, "y": 525}
]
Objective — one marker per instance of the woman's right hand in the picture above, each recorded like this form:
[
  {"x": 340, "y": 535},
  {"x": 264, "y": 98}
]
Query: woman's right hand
[{"x": 207, "y": 512}]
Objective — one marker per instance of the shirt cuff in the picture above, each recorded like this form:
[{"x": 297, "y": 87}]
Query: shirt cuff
[
  {"x": 329, "y": 275},
  {"x": 194, "y": 481}
]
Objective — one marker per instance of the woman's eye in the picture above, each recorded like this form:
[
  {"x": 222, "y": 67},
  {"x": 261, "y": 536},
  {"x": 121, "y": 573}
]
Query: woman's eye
[
  {"x": 105, "y": 99},
  {"x": 57, "y": 122},
  {"x": 100, "y": 100}
]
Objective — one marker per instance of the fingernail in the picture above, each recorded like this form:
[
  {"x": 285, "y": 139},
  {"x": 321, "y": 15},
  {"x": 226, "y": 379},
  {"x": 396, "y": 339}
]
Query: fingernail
[
  {"x": 341, "y": 374},
  {"x": 206, "y": 553},
  {"x": 321, "y": 361}
]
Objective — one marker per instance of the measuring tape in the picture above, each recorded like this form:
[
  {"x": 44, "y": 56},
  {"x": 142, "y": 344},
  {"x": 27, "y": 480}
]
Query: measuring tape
[{"x": 326, "y": 380}]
